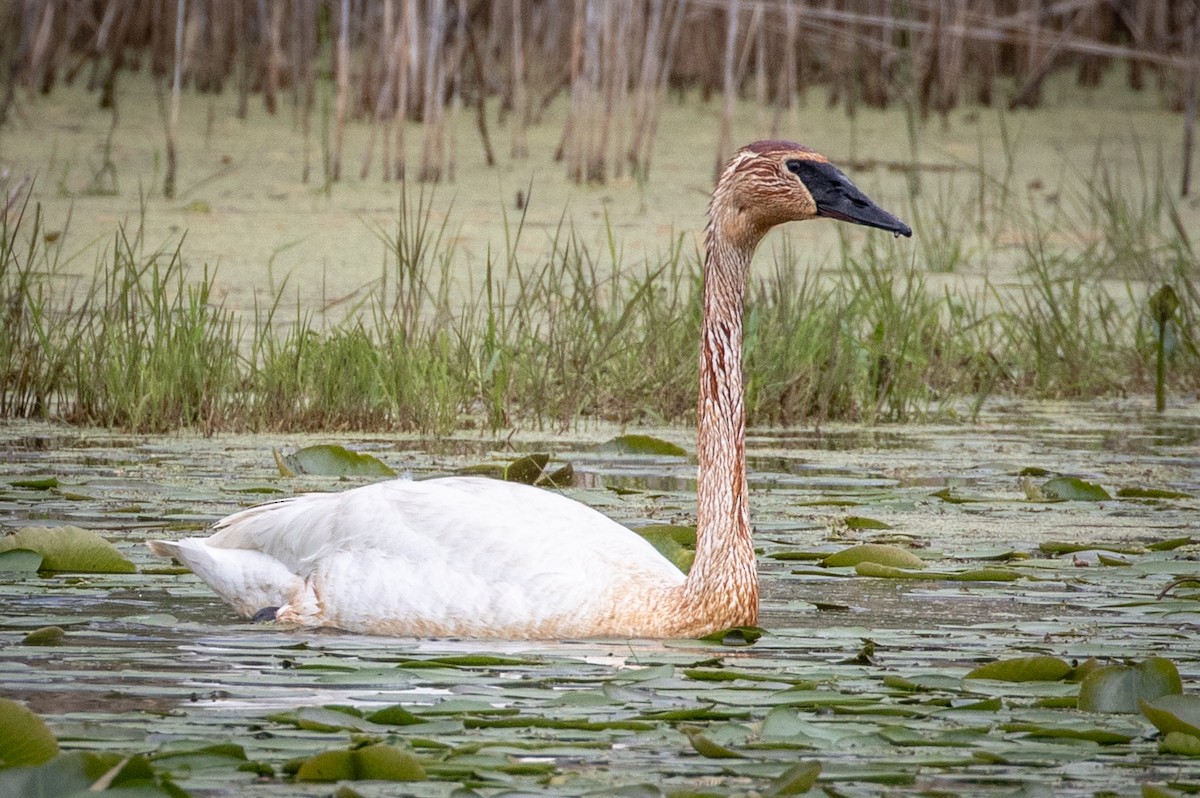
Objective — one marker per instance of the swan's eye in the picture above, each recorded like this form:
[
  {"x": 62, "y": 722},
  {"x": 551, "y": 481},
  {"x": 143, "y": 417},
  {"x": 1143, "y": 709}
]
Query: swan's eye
[{"x": 794, "y": 166}]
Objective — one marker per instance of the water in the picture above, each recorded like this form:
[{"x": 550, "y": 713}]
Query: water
[{"x": 153, "y": 663}]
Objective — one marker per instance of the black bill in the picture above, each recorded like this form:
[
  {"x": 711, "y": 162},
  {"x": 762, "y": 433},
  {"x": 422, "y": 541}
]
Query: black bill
[{"x": 838, "y": 198}]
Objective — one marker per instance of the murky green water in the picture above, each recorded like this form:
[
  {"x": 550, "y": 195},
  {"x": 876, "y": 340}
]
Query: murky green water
[{"x": 152, "y": 662}]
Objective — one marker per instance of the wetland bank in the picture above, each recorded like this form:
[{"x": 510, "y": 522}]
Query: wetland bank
[{"x": 975, "y": 404}]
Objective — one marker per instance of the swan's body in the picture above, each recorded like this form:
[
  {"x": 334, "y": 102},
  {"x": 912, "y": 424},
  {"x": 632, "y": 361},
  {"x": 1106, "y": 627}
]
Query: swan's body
[
  {"x": 474, "y": 557},
  {"x": 462, "y": 556}
]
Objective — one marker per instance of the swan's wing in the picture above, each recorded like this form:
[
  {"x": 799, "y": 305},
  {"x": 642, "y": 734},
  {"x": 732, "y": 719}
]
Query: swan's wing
[{"x": 460, "y": 555}]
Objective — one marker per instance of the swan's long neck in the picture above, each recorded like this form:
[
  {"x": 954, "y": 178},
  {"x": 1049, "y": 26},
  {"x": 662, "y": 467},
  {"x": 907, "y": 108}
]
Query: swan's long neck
[{"x": 722, "y": 585}]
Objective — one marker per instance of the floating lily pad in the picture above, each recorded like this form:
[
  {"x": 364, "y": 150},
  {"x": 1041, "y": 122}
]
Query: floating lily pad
[
  {"x": 81, "y": 774},
  {"x": 796, "y": 780},
  {"x": 331, "y": 460},
  {"x": 676, "y": 543},
  {"x": 862, "y": 522},
  {"x": 46, "y": 636},
  {"x": 881, "y": 553},
  {"x": 706, "y": 747},
  {"x": 642, "y": 444},
  {"x": 1180, "y": 744},
  {"x": 379, "y": 762},
  {"x": 26, "y": 561},
  {"x": 1170, "y": 544},
  {"x": 1023, "y": 669},
  {"x": 735, "y": 636},
  {"x": 1071, "y": 731},
  {"x": 395, "y": 715},
  {"x": 1152, "y": 493},
  {"x": 35, "y": 483},
  {"x": 25, "y": 739},
  {"x": 875, "y": 570},
  {"x": 1175, "y": 712},
  {"x": 1073, "y": 489},
  {"x": 69, "y": 548},
  {"x": 1117, "y": 688},
  {"x": 530, "y": 469}
]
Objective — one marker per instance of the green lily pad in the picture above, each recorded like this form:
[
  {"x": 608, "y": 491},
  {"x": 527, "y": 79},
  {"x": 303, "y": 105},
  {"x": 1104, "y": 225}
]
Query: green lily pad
[
  {"x": 25, "y": 739},
  {"x": 1180, "y": 744},
  {"x": 69, "y": 548},
  {"x": 642, "y": 444},
  {"x": 81, "y": 774},
  {"x": 24, "y": 561},
  {"x": 331, "y": 460},
  {"x": 796, "y": 780},
  {"x": 1056, "y": 547},
  {"x": 1073, "y": 489},
  {"x": 378, "y": 762},
  {"x": 1117, "y": 688},
  {"x": 880, "y": 553},
  {"x": 1175, "y": 712},
  {"x": 1152, "y": 493},
  {"x": 705, "y": 747},
  {"x": 1023, "y": 669},
  {"x": 1169, "y": 545},
  {"x": 735, "y": 636},
  {"x": 395, "y": 715},
  {"x": 676, "y": 543},
  {"x": 35, "y": 483},
  {"x": 530, "y": 469},
  {"x": 862, "y": 522},
  {"x": 1070, "y": 731},
  {"x": 46, "y": 636}
]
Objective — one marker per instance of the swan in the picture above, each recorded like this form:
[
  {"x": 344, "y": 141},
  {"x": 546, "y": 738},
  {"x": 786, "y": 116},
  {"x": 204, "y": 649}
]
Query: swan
[{"x": 475, "y": 557}]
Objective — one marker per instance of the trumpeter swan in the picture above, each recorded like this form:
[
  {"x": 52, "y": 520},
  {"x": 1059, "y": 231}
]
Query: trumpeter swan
[{"x": 474, "y": 557}]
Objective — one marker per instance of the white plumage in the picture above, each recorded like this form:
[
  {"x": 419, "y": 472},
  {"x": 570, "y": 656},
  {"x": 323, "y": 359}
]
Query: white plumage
[{"x": 462, "y": 556}]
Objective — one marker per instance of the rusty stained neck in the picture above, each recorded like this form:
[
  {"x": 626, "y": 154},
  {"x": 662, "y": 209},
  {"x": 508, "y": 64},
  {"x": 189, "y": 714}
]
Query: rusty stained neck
[{"x": 723, "y": 581}]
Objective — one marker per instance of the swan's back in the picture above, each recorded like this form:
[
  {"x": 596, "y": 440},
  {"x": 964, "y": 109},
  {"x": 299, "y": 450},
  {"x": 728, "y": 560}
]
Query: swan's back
[{"x": 464, "y": 556}]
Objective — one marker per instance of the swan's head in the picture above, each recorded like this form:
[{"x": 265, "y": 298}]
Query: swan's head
[{"x": 771, "y": 182}]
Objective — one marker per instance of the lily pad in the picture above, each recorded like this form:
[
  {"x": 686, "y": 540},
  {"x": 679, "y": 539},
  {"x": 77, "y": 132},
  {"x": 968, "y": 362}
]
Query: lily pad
[
  {"x": 1023, "y": 669},
  {"x": 331, "y": 460},
  {"x": 1117, "y": 688},
  {"x": 530, "y": 469},
  {"x": 378, "y": 762},
  {"x": 1168, "y": 713},
  {"x": 25, "y": 739},
  {"x": 81, "y": 774},
  {"x": 1170, "y": 544},
  {"x": 46, "y": 636},
  {"x": 735, "y": 636},
  {"x": 1152, "y": 493},
  {"x": 35, "y": 483},
  {"x": 643, "y": 444},
  {"x": 395, "y": 715},
  {"x": 706, "y": 747},
  {"x": 862, "y": 522},
  {"x": 1073, "y": 489},
  {"x": 1070, "y": 731},
  {"x": 69, "y": 548},
  {"x": 25, "y": 561},
  {"x": 796, "y": 780},
  {"x": 881, "y": 553},
  {"x": 676, "y": 543},
  {"x": 1180, "y": 744}
]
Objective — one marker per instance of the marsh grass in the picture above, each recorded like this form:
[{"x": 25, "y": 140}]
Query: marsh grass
[{"x": 579, "y": 331}]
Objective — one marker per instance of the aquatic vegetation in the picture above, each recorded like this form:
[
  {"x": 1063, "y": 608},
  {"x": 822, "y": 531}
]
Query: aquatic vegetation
[
  {"x": 574, "y": 332},
  {"x": 911, "y": 679}
]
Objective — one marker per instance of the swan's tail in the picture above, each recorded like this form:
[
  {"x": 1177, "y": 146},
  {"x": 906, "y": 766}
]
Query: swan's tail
[{"x": 248, "y": 580}]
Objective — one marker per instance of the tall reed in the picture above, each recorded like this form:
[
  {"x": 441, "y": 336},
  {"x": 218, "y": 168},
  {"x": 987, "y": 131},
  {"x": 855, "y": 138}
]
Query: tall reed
[{"x": 576, "y": 331}]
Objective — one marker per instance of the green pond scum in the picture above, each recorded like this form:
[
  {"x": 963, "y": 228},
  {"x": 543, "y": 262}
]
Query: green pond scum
[{"x": 1032, "y": 638}]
